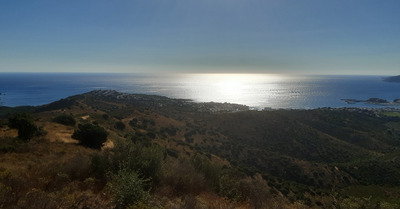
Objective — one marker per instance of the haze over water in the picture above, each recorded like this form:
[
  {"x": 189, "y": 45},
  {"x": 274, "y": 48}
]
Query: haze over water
[{"x": 255, "y": 90}]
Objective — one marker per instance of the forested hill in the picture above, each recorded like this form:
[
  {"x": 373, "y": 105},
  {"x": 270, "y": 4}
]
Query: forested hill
[{"x": 202, "y": 155}]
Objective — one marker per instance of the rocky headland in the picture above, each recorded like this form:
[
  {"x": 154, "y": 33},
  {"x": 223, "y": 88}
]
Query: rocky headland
[
  {"x": 392, "y": 79},
  {"x": 374, "y": 101}
]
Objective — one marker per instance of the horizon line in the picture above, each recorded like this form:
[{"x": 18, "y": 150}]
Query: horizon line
[{"x": 203, "y": 73}]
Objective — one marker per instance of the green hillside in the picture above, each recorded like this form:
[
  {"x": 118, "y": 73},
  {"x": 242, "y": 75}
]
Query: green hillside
[{"x": 170, "y": 153}]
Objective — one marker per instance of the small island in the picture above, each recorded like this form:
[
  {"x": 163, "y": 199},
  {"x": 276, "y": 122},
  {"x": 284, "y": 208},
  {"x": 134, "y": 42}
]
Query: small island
[
  {"x": 393, "y": 79},
  {"x": 374, "y": 101}
]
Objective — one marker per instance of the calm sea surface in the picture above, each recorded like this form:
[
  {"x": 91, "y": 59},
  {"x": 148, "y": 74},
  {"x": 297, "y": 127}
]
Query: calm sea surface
[{"x": 254, "y": 90}]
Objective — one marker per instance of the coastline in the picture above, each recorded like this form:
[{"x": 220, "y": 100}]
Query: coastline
[
  {"x": 282, "y": 92},
  {"x": 160, "y": 102},
  {"x": 374, "y": 101}
]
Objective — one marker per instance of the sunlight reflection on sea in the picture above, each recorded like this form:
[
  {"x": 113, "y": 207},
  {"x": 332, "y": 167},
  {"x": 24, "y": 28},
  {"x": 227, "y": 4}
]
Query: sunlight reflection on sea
[
  {"x": 271, "y": 90},
  {"x": 255, "y": 90}
]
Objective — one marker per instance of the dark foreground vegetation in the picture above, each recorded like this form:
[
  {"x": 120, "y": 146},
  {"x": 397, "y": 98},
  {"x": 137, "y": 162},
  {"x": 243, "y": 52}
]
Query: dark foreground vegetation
[{"x": 106, "y": 149}]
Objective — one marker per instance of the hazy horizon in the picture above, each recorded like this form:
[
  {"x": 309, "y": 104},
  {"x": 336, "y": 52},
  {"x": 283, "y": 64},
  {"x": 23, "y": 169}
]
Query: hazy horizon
[
  {"x": 186, "y": 36},
  {"x": 161, "y": 73}
]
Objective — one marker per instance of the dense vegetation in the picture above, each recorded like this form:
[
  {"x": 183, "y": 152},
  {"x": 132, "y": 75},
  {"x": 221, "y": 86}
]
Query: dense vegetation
[
  {"x": 23, "y": 122},
  {"x": 65, "y": 119},
  {"x": 90, "y": 135},
  {"x": 155, "y": 152}
]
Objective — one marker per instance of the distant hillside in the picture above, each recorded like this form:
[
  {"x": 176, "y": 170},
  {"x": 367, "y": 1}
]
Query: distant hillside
[
  {"x": 392, "y": 79},
  {"x": 213, "y": 155}
]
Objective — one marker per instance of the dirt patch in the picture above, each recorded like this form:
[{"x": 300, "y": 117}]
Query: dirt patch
[
  {"x": 85, "y": 117},
  {"x": 59, "y": 133},
  {"x": 6, "y": 132}
]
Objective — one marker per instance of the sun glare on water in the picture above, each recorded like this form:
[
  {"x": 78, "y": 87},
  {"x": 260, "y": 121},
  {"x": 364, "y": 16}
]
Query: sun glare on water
[{"x": 232, "y": 88}]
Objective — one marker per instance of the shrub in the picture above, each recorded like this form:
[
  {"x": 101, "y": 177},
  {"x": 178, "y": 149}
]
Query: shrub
[
  {"x": 8, "y": 145},
  {"x": 172, "y": 152},
  {"x": 229, "y": 186},
  {"x": 99, "y": 165},
  {"x": 181, "y": 176},
  {"x": 148, "y": 161},
  {"x": 119, "y": 125},
  {"x": 24, "y": 123},
  {"x": 171, "y": 131},
  {"x": 12, "y": 187},
  {"x": 133, "y": 122},
  {"x": 89, "y": 135},
  {"x": 77, "y": 167},
  {"x": 137, "y": 156},
  {"x": 256, "y": 190},
  {"x": 151, "y": 134},
  {"x": 362, "y": 202},
  {"x": 141, "y": 138},
  {"x": 127, "y": 188},
  {"x": 67, "y": 120},
  {"x": 211, "y": 171}
]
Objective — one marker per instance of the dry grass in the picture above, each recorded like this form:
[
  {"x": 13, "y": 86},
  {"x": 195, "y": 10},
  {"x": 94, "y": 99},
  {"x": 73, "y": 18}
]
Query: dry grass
[
  {"x": 58, "y": 132},
  {"x": 45, "y": 174},
  {"x": 55, "y": 172},
  {"x": 6, "y": 132}
]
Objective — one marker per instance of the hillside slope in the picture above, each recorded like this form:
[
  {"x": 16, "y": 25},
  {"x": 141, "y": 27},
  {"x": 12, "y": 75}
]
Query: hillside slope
[{"x": 313, "y": 158}]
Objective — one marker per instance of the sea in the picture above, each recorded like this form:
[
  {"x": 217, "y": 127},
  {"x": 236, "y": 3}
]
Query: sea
[{"x": 257, "y": 91}]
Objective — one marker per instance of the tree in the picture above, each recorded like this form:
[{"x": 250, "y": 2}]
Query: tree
[
  {"x": 89, "y": 135},
  {"x": 24, "y": 123}
]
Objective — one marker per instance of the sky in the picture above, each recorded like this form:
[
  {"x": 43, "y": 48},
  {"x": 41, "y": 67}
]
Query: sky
[{"x": 224, "y": 36}]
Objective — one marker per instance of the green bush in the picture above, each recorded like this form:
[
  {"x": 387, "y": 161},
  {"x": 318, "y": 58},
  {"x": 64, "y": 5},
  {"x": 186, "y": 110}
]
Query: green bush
[
  {"x": 25, "y": 125},
  {"x": 127, "y": 188},
  {"x": 149, "y": 161},
  {"x": 171, "y": 131},
  {"x": 119, "y": 125},
  {"x": 89, "y": 135},
  {"x": 229, "y": 186},
  {"x": 143, "y": 158},
  {"x": 67, "y": 120}
]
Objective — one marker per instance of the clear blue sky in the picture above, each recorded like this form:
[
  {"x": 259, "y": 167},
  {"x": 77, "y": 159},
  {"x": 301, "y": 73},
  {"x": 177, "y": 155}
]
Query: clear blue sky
[{"x": 261, "y": 36}]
